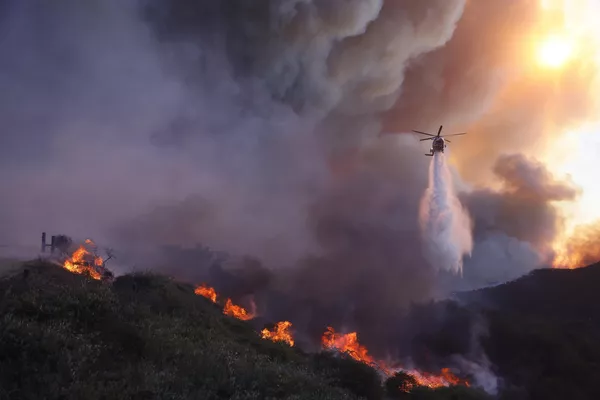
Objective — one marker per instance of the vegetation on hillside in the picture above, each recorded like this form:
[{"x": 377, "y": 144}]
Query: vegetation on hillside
[
  {"x": 67, "y": 336},
  {"x": 544, "y": 333}
]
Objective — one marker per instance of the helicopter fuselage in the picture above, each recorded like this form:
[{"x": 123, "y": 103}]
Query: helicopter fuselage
[{"x": 437, "y": 146}]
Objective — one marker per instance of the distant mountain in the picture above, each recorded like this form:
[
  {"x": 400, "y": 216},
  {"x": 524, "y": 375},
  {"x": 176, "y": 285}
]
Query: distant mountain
[
  {"x": 567, "y": 295},
  {"x": 544, "y": 333}
]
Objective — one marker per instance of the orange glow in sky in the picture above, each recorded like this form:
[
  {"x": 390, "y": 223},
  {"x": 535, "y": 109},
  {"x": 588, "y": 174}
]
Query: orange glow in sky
[
  {"x": 555, "y": 51},
  {"x": 575, "y": 153}
]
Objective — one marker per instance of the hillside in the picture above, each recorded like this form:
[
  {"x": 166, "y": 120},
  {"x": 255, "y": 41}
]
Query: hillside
[
  {"x": 66, "y": 336},
  {"x": 145, "y": 336},
  {"x": 544, "y": 333},
  {"x": 560, "y": 294}
]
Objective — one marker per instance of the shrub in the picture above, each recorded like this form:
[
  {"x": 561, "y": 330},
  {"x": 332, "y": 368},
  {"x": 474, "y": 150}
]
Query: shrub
[{"x": 345, "y": 372}]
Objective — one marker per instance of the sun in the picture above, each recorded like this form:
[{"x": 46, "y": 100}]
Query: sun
[{"x": 555, "y": 51}]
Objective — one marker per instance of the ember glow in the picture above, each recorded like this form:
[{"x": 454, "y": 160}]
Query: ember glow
[
  {"x": 83, "y": 261},
  {"x": 280, "y": 333},
  {"x": 348, "y": 343},
  {"x": 206, "y": 291}
]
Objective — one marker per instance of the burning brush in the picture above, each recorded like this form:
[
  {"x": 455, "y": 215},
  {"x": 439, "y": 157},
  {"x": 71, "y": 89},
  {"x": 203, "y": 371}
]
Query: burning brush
[
  {"x": 207, "y": 292},
  {"x": 236, "y": 311},
  {"x": 84, "y": 260},
  {"x": 342, "y": 343},
  {"x": 230, "y": 309},
  {"x": 280, "y": 333},
  {"x": 348, "y": 343}
]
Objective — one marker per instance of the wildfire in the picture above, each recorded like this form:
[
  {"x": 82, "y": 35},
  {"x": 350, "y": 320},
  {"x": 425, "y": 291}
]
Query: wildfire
[
  {"x": 206, "y": 291},
  {"x": 348, "y": 343},
  {"x": 445, "y": 379},
  {"x": 230, "y": 309},
  {"x": 343, "y": 343},
  {"x": 83, "y": 261},
  {"x": 281, "y": 333},
  {"x": 236, "y": 311}
]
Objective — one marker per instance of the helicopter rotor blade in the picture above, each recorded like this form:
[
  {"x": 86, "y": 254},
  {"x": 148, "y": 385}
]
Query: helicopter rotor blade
[
  {"x": 455, "y": 134},
  {"x": 429, "y": 138},
  {"x": 424, "y": 133}
]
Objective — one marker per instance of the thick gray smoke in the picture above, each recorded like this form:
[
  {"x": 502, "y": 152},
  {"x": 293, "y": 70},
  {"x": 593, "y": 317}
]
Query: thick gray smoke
[
  {"x": 102, "y": 125},
  {"x": 514, "y": 226},
  {"x": 446, "y": 227}
]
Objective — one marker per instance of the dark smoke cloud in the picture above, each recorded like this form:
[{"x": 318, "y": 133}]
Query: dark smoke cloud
[
  {"x": 318, "y": 55},
  {"x": 104, "y": 125}
]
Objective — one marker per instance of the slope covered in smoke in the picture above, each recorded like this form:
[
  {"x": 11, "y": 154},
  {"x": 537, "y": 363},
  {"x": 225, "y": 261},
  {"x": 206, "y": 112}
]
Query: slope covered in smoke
[
  {"x": 540, "y": 333},
  {"x": 548, "y": 293}
]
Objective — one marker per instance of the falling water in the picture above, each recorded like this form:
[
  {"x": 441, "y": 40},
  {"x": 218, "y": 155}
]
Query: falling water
[{"x": 445, "y": 225}]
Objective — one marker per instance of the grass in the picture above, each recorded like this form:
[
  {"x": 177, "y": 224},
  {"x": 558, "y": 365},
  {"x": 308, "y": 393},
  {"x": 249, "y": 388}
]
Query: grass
[
  {"x": 9, "y": 265},
  {"x": 144, "y": 336}
]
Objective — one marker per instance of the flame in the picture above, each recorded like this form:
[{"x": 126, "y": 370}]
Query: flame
[
  {"x": 206, "y": 291},
  {"x": 83, "y": 261},
  {"x": 332, "y": 340},
  {"x": 445, "y": 379},
  {"x": 236, "y": 311},
  {"x": 348, "y": 343},
  {"x": 230, "y": 309},
  {"x": 281, "y": 333}
]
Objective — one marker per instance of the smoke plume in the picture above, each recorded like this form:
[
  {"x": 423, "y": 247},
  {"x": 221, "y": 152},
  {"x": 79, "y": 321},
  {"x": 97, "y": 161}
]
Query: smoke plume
[{"x": 446, "y": 228}]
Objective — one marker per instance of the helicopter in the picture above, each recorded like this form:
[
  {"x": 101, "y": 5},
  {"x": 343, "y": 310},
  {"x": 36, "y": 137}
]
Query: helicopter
[{"x": 439, "y": 143}]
